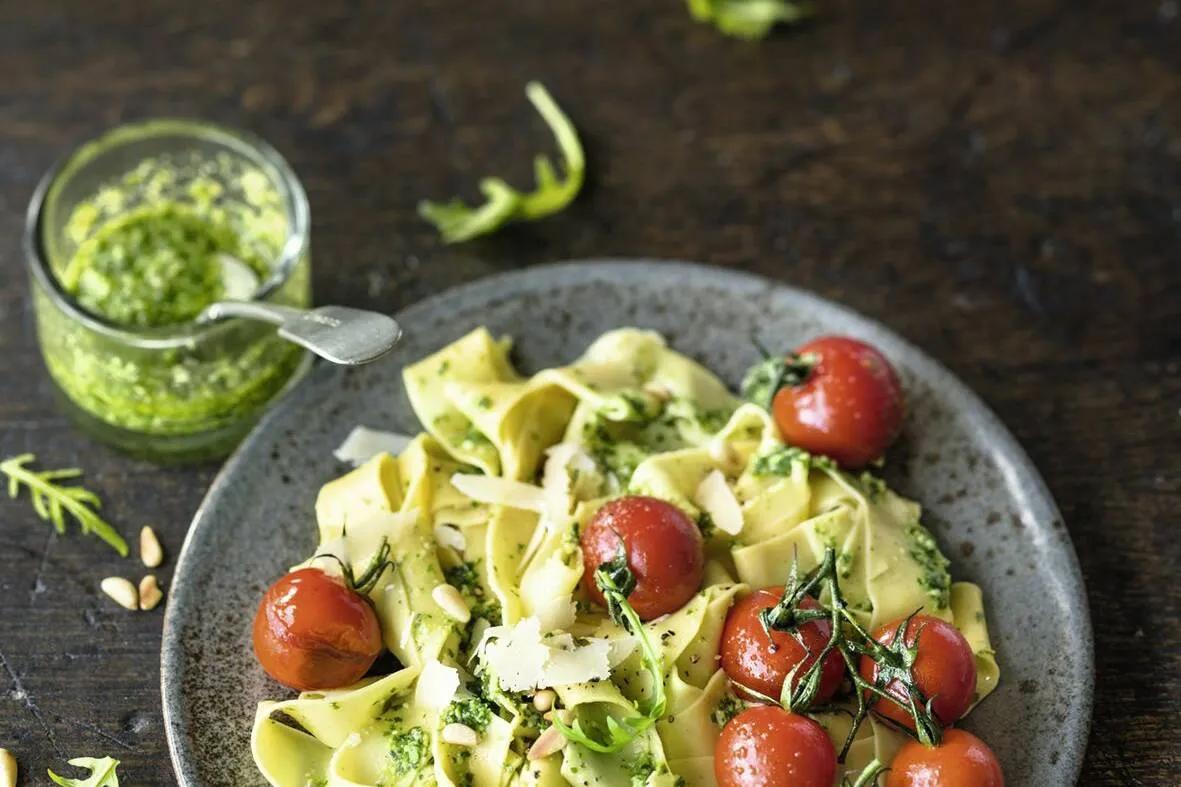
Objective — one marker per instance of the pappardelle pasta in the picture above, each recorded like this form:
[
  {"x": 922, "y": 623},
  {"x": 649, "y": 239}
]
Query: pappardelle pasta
[{"x": 581, "y": 576}]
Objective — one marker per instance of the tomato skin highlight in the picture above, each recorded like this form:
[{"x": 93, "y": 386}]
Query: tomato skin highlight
[
  {"x": 767, "y": 746},
  {"x": 312, "y": 632},
  {"x": 960, "y": 760},
  {"x": 945, "y": 670},
  {"x": 752, "y": 659},
  {"x": 849, "y": 407},
  {"x": 664, "y": 549}
]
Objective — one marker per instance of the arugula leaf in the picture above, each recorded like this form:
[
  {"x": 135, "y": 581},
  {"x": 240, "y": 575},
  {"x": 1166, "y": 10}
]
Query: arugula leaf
[
  {"x": 749, "y": 19},
  {"x": 53, "y": 501},
  {"x": 102, "y": 773},
  {"x": 616, "y": 580},
  {"x": 763, "y": 380},
  {"x": 868, "y": 776},
  {"x": 458, "y": 222}
]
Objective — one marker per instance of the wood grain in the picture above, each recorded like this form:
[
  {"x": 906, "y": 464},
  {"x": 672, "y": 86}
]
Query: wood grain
[{"x": 1000, "y": 182}]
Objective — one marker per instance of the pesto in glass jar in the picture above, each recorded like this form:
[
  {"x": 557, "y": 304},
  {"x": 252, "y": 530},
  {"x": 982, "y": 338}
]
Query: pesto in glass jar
[{"x": 127, "y": 242}]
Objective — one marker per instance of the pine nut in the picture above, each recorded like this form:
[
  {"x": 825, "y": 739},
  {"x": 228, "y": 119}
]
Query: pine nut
[
  {"x": 122, "y": 591},
  {"x": 450, "y": 600},
  {"x": 549, "y": 742},
  {"x": 150, "y": 551},
  {"x": 658, "y": 391},
  {"x": 460, "y": 735},
  {"x": 564, "y": 715},
  {"x": 544, "y": 700},
  {"x": 149, "y": 592},
  {"x": 7, "y": 769}
]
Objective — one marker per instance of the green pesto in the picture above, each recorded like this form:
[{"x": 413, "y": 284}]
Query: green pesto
[
  {"x": 144, "y": 252},
  {"x": 471, "y": 711},
  {"x": 782, "y": 460},
  {"x": 409, "y": 751},
  {"x": 935, "y": 578},
  {"x": 156, "y": 265},
  {"x": 640, "y": 426}
]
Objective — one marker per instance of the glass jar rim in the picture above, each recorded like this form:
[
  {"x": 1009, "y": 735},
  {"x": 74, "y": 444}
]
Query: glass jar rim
[{"x": 186, "y": 333}]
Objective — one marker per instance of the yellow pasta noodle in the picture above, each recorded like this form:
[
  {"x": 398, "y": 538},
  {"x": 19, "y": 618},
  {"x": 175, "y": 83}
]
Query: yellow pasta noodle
[{"x": 490, "y": 499}]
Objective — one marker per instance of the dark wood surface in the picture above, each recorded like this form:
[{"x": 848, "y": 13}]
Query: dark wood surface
[{"x": 999, "y": 182}]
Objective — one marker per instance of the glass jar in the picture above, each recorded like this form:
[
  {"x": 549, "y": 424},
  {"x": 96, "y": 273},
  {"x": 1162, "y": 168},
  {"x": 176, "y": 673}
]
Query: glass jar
[{"x": 184, "y": 390}]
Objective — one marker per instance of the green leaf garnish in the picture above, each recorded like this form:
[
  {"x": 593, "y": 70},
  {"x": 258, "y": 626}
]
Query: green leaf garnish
[
  {"x": 868, "y": 776},
  {"x": 102, "y": 773},
  {"x": 748, "y": 19},
  {"x": 458, "y": 222},
  {"x": 616, "y": 580},
  {"x": 895, "y": 662},
  {"x": 763, "y": 380},
  {"x": 53, "y": 501}
]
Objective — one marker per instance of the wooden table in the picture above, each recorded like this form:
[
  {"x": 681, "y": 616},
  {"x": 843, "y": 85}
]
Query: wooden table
[{"x": 999, "y": 182}]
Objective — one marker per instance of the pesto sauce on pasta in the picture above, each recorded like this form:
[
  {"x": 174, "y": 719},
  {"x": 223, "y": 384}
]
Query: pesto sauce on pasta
[{"x": 629, "y": 415}]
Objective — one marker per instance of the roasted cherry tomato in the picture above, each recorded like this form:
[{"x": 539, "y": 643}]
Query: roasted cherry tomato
[
  {"x": 960, "y": 760},
  {"x": 848, "y": 406},
  {"x": 753, "y": 659},
  {"x": 767, "y": 746},
  {"x": 944, "y": 670},
  {"x": 664, "y": 551},
  {"x": 312, "y": 631}
]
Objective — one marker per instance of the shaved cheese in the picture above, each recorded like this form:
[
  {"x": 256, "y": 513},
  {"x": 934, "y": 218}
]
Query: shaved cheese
[
  {"x": 715, "y": 497},
  {"x": 569, "y": 470},
  {"x": 556, "y": 613},
  {"x": 522, "y": 659},
  {"x": 436, "y": 685},
  {"x": 515, "y": 654},
  {"x": 621, "y": 648},
  {"x": 569, "y": 663},
  {"x": 500, "y": 491},
  {"x": 451, "y": 536},
  {"x": 336, "y": 547},
  {"x": 364, "y": 443}
]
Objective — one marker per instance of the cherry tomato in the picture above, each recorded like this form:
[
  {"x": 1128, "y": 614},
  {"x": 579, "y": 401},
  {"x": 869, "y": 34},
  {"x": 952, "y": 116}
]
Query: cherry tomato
[
  {"x": 752, "y": 659},
  {"x": 944, "y": 669},
  {"x": 311, "y": 631},
  {"x": 767, "y": 746},
  {"x": 849, "y": 405},
  {"x": 960, "y": 760},
  {"x": 664, "y": 551}
]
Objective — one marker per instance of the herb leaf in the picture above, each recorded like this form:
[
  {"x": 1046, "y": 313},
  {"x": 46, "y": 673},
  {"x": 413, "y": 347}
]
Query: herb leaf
[
  {"x": 749, "y": 19},
  {"x": 102, "y": 773},
  {"x": 458, "y": 222},
  {"x": 765, "y": 378},
  {"x": 868, "y": 776},
  {"x": 52, "y": 501},
  {"x": 894, "y": 662},
  {"x": 616, "y": 581}
]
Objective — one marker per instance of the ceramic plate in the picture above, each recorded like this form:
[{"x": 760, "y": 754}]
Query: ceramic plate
[{"x": 986, "y": 504}]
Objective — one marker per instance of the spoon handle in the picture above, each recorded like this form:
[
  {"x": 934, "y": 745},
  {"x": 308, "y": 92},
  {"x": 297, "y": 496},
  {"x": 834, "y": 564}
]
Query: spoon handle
[{"x": 251, "y": 310}]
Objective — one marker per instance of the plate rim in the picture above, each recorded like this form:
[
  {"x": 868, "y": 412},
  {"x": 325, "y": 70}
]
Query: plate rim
[{"x": 1031, "y": 485}]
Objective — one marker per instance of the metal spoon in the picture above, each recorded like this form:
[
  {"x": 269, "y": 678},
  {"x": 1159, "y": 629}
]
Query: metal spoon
[{"x": 337, "y": 333}]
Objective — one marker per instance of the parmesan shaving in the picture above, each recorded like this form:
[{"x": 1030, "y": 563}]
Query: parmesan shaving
[
  {"x": 500, "y": 491},
  {"x": 436, "y": 685},
  {"x": 451, "y": 536},
  {"x": 568, "y": 471},
  {"x": 522, "y": 659},
  {"x": 364, "y": 443},
  {"x": 556, "y": 613},
  {"x": 715, "y": 497}
]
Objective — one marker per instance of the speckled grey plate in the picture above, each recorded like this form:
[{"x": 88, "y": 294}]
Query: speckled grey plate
[{"x": 984, "y": 500}]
